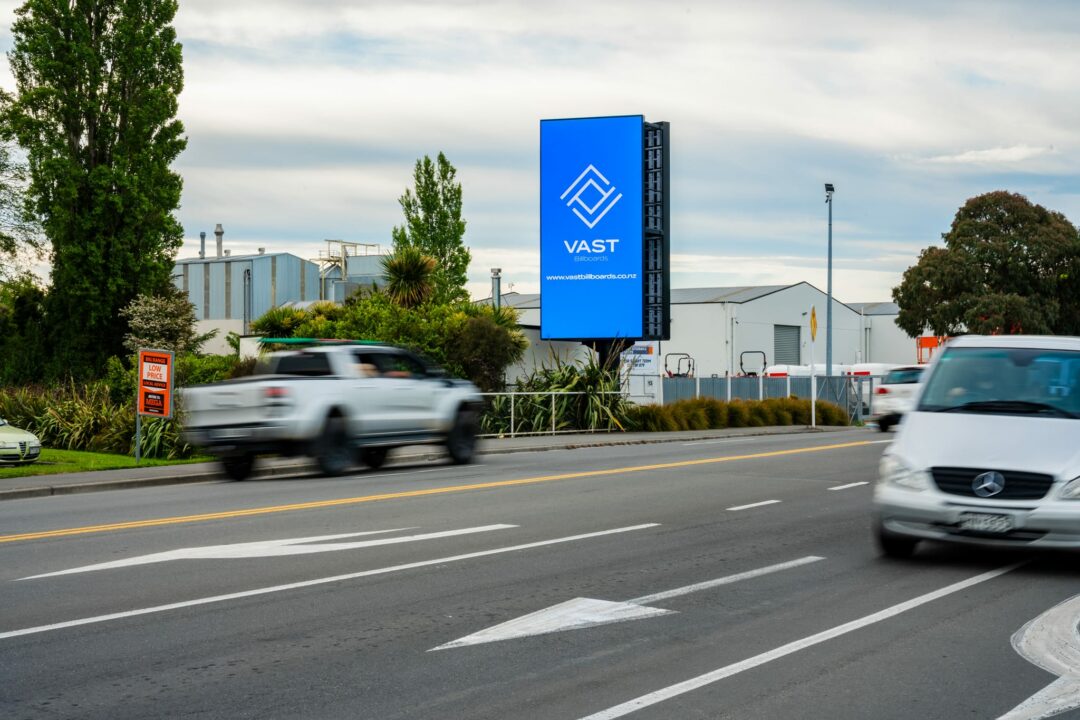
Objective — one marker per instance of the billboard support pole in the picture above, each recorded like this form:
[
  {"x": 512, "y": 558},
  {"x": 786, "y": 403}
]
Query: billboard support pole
[{"x": 138, "y": 436}]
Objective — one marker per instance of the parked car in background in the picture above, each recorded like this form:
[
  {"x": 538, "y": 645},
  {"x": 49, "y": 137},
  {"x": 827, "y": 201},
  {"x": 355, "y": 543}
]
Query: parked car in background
[
  {"x": 895, "y": 395},
  {"x": 17, "y": 447},
  {"x": 991, "y": 452}
]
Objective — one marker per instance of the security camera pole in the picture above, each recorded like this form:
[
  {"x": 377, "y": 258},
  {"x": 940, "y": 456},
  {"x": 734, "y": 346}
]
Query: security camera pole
[{"x": 828, "y": 309}]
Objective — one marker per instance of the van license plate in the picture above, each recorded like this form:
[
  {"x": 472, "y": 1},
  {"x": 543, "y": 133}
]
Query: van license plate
[{"x": 979, "y": 522}]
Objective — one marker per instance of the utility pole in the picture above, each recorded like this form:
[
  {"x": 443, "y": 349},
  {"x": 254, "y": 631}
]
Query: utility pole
[{"x": 828, "y": 310}]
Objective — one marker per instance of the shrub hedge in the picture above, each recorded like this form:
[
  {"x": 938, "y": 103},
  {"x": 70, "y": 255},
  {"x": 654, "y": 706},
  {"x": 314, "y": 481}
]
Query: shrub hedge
[{"x": 710, "y": 414}]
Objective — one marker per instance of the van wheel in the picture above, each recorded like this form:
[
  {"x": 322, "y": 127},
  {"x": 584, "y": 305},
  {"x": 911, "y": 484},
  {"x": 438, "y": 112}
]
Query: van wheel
[
  {"x": 461, "y": 443},
  {"x": 334, "y": 455},
  {"x": 238, "y": 467},
  {"x": 884, "y": 425},
  {"x": 372, "y": 457},
  {"x": 894, "y": 546}
]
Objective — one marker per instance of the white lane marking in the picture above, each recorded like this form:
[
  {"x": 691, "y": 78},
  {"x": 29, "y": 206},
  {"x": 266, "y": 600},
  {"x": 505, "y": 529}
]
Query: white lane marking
[
  {"x": 312, "y": 583},
  {"x": 271, "y": 548},
  {"x": 748, "y": 575},
  {"x": 686, "y": 686},
  {"x": 707, "y": 442},
  {"x": 753, "y": 505},
  {"x": 1051, "y": 641},
  {"x": 849, "y": 485},
  {"x": 585, "y": 612}
]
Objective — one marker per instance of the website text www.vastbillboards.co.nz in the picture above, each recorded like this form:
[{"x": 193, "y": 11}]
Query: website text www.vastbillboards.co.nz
[{"x": 594, "y": 276}]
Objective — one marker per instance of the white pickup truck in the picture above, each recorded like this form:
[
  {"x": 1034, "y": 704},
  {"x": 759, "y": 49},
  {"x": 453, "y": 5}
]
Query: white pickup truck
[{"x": 340, "y": 403}]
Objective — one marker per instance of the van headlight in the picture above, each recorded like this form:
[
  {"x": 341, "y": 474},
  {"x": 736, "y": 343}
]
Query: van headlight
[
  {"x": 1071, "y": 491},
  {"x": 895, "y": 471}
]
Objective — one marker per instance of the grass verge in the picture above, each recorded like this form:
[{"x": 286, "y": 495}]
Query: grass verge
[{"x": 53, "y": 462}]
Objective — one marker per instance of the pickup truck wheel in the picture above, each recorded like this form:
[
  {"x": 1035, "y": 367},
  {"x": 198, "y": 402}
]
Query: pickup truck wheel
[
  {"x": 372, "y": 457},
  {"x": 238, "y": 467},
  {"x": 461, "y": 443},
  {"x": 334, "y": 455}
]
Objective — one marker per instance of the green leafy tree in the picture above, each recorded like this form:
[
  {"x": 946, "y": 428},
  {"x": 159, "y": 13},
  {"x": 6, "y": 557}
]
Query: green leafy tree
[
  {"x": 1008, "y": 266},
  {"x": 22, "y": 342},
  {"x": 434, "y": 226},
  {"x": 20, "y": 234},
  {"x": 409, "y": 276},
  {"x": 95, "y": 109},
  {"x": 164, "y": 322},
  {"x": 483, "y": 349}
]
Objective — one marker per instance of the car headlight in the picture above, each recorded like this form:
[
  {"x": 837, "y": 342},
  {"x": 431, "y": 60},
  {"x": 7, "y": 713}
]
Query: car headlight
[
  {"x": 9, "y": 446},
  {"x": 895, "y": 472},
  {"x": 1071, "y": 491}
]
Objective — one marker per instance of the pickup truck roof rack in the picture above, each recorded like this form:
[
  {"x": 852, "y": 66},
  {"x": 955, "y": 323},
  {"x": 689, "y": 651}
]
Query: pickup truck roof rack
[{"x": 317, "y": 341}]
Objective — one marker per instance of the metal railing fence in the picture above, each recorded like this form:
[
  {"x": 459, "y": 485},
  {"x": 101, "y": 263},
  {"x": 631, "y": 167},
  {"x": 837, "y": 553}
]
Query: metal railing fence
[
  {"x": 854, "y": 393},
  {"x": 513, "y": 413}
]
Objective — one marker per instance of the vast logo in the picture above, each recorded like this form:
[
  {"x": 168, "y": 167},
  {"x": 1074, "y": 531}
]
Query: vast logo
[{"x": 585, "y": 189}]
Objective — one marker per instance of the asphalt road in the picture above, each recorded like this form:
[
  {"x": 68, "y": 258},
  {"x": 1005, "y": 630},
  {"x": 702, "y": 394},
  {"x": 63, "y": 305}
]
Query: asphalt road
[{"x": 721, "y": 579}]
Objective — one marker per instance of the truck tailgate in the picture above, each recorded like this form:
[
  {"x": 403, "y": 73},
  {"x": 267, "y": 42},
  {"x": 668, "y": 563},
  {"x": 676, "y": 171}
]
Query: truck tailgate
[{"x": 239, "y": 402}]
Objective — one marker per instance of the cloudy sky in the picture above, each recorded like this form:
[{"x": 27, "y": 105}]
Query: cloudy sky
[{"x": 304, "y": 118}]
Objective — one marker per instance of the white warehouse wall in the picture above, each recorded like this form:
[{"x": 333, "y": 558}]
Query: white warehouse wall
[{"x": 888, "y": 343}]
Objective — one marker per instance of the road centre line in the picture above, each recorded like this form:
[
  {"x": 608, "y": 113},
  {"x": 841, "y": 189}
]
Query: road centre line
[
  {"x": 318, "y": 504},
  {"x": 708, "y": 678},
  {"x": 312, "y": 583},
  {"x": 753, "y": 505},
  {"x": 849, "y": 485}
]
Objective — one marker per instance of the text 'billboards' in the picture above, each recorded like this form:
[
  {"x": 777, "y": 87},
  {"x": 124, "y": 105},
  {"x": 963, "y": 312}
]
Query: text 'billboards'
[{"x": 591, "y": 254}]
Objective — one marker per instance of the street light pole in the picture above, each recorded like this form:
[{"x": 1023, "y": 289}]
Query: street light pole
[{"x": 828, "y": 310}]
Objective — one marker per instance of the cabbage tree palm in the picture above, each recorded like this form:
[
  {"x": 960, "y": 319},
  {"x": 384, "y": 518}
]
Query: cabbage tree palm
[{"x": 409, "y": 276}]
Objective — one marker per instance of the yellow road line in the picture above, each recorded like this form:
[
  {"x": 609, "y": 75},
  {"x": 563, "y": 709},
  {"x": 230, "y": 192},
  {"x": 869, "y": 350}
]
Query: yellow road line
[{"x": 411, "y": 493}]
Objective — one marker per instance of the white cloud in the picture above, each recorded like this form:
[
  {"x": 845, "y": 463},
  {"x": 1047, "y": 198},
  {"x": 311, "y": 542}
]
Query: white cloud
[
  {"x": 333, "y": 100},
  {"x": 993, "y": 156}
]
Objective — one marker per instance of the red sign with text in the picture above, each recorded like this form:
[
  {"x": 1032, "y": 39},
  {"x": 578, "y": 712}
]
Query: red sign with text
[{"x": 155, "y": 383}]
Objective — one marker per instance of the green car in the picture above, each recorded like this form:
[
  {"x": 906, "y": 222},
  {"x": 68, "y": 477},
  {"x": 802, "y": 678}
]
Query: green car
[{"x": 17, "y": 447}]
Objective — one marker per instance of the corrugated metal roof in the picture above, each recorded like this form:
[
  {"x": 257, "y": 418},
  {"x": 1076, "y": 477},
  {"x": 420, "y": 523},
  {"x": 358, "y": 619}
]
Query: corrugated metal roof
[
  {"x": 875, "y": 308},
  {"x": 739, "y": 294}
]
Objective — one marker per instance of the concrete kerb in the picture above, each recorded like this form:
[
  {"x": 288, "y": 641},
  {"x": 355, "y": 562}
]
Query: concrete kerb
[{"x": 101, "y": 480}]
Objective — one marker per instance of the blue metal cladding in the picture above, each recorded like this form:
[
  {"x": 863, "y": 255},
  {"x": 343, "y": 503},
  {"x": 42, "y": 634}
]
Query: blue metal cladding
[
  {"x": 276, "y": 279},
  {"x": 591, "y": 257}
]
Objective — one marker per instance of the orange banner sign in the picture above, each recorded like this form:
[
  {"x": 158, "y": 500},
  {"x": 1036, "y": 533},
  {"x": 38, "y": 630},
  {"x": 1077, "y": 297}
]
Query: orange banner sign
[{"x": 155, "y": 383}]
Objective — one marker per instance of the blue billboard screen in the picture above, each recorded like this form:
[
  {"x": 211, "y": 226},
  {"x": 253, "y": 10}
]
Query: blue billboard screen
[{"x": 591, "y": 228}]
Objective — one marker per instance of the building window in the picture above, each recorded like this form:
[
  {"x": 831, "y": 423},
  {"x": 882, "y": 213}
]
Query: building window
[{"x": 786, "y": 344}]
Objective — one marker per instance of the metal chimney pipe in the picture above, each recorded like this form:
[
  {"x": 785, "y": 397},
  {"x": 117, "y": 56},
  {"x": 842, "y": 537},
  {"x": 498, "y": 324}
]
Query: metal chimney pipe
[
  {"x": 202, "y": 245},
  {"x": 219, "y": 233}
]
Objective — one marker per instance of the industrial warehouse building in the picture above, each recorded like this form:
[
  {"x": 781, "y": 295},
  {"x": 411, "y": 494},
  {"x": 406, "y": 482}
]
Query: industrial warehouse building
[
  {"x": 230, "y": 291},
  {"x": 731, "y": 330}
]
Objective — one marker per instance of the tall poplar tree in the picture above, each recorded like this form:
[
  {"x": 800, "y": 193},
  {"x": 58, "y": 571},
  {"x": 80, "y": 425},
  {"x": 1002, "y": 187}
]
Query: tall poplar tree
[
  {"x": 95, "y": 110},
  {"x": 433, "y": 225}
]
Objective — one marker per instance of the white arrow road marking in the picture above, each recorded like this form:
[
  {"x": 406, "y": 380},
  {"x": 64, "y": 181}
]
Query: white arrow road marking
[
  {"x": 586, "y": 612},
  {"x": 317, "y": 581},
  {"x": 1051, "y": 641},
  {"x": 708, "y": 678},
  {"x": 270, "y": 548}
]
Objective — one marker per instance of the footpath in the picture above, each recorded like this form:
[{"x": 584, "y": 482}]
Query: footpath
[{"x": 70, "y": 483}]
